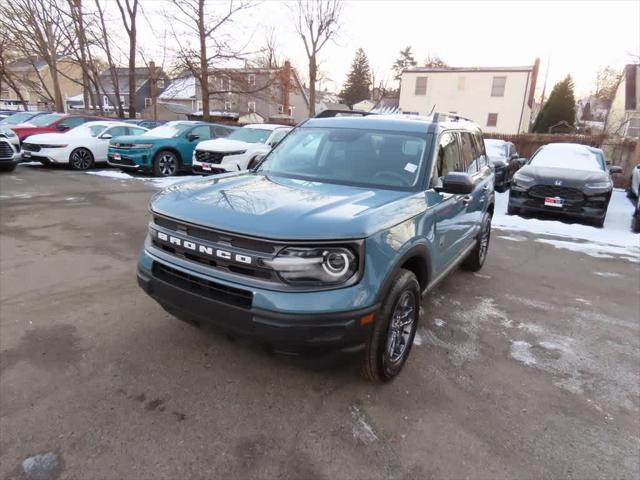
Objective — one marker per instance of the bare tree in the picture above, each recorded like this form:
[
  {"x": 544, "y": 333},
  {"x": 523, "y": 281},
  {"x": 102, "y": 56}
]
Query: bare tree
[
  {"x": 318, "y": 21},
  {"x": 36, "y": 29},
  {"x": 268, "y": 56},
  {"x": 213, "y": 44},
  {"x": 7, "y": 57},
  {"x": 128, "y": 12},
  {"x": 104, "y": 39},
  {"x": 607, "y": 81}
]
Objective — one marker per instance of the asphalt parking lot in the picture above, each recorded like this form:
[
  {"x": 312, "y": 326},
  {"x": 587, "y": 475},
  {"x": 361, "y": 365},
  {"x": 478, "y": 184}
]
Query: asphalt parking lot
[{"x": 527, "y": 369}]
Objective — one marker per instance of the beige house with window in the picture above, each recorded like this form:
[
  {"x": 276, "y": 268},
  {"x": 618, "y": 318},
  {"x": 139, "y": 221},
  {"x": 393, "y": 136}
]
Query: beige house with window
[
  {"x": 624, "y": 114},
  {"x": 499, "y": 99}
]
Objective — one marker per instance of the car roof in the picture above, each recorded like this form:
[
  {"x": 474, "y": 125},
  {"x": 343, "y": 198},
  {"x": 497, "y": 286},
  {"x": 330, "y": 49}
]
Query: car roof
[
  {"x": 496, "y": 141},
  {"x": 401, "y": 123},
  {"x": 108, "y": 123},
  {"x": 568, "y": 146},
  {"x": 266, "y": 126}
]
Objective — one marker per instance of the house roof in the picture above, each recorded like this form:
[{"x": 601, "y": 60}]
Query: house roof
[
  {"x": 141, "y": 75},
  {"x": 181, "y": 88},
  {"x": 467, "y": 69},
  {"x": 176, "y": 108},
  {"x": 26, "y": 64}
]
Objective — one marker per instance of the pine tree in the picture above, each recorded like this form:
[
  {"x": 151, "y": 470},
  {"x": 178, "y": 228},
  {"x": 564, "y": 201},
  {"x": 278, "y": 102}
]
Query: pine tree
[
  {"x": 560, "y": 106},
  {"x": 404, "y": 61},
  {"x": 356, "y": 87}
]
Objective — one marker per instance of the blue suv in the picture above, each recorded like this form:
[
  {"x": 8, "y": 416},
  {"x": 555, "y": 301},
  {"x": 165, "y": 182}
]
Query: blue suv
[{"x": 331, "y": 241}]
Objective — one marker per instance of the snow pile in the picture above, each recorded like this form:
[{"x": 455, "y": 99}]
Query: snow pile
[
  {"x": 158, "y": 182},
  {"x": 615, "y": 239}
]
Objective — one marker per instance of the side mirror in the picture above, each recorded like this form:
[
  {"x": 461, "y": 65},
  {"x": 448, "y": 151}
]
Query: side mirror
[
  {"x": 192, "y": 136},
  {"x": 257, "y": 161},
  {"x": 521, "y": 161},
  {"x": 457, "y": 182},
  {"x": 62, "y": 128},
  {"x": 615, "y": 169},
  {"x": 513, "y": 156},
  {"x": 106, "y": 136}
]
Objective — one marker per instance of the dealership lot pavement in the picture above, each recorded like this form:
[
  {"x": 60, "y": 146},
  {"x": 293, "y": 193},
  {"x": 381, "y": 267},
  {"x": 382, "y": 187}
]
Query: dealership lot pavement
[{"x": 527, "y": 369}]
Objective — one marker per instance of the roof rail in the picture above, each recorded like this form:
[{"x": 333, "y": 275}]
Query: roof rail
[
  {"x": 451, "y": 117},
  {"x": 342, "y": 113}
]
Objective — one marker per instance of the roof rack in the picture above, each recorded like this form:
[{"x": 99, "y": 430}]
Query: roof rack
[
  {"x": 451, "y": 117},
  {"x": 342, "y": 113}
]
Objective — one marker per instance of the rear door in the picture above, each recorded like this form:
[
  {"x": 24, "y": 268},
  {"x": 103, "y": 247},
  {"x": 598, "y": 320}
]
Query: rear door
[{"x": 475, "y": 164}]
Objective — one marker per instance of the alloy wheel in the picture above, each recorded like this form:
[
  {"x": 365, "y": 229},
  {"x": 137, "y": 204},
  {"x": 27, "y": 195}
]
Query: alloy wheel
[
  {"x": 168, "y": 164},
  {"x": 81, "y": 159},
  {"x": 401, "y": 327},
  {"x": 484, "y": 241}
]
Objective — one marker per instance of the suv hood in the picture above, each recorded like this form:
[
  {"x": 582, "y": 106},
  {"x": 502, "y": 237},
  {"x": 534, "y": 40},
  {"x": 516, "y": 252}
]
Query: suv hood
[
  {"x": 138, "y": 139},
  {"x": 568, "y": 177},
  {"x": 282, "y": 208},
  {"x": 226, "y": 145}
]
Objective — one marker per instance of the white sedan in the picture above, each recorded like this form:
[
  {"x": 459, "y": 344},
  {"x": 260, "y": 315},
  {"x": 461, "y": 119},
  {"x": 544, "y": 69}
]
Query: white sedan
[
  {"x": 80, "y": 147},
  {"x": 238, "y": 151}
]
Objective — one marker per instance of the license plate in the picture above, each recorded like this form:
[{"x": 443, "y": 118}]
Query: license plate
[
  {"x": 553, "y": 202},
  {"x": 206, "y": 166},
  {"x": 26, "y": 154},
  {"x": 116, "y": 156}
]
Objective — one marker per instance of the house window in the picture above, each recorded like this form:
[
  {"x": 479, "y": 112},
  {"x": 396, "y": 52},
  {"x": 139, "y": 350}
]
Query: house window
[
  {"x": 199, "y": 105},
  {"x": 122, "y": 99},
  {"x": 252, "y": 79},
  {"x": 461, "y": 82},
  {"x": 291, "y": 111},
  {"x": 492, "y": 120},
  {"x": 227, "y": 106},
  {"x": 421, "y": 86},
  {"x": 280, "y": 109},
  {"x": 633, "y": 127},
  {"x": 251, "y": 107},
  {"x": 225, "y": 84},
  {"x": 147, "y": 102},
  {"x": 160, "y": 83},
  {"x": 497, "y": 88},
  {"x": 105, "y": 101}
]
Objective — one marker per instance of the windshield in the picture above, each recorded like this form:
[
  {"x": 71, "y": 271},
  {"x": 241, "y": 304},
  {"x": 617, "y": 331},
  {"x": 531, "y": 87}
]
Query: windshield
[
  {"x": 250, "y": 135},
  {"x": 378, "y": 159},
  {"x": 168, "y": 130},
  {"x": 573, "y": 159},
  {"x": 496, "y": 149},
  {"x": 17, "y": 118},
  {"x": 45, "y": 120}
]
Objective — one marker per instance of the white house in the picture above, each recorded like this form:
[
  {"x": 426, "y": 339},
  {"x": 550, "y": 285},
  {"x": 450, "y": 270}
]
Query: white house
[
  {"x": 499, "y": 99},
  {"x": 624, "y": 114}
]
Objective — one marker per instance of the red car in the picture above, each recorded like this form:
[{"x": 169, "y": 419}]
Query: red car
[{"x": 50, "y": 123}]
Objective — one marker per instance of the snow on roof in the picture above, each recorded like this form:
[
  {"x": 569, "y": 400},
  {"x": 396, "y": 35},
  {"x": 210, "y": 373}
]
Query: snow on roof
[
  {"x": 264, "y": 126},
  {"x": 184, "y": 87},
  {"x": 468, "y": 69}
]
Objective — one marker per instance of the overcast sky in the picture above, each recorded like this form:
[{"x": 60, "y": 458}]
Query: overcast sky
[{"x": 574, "y": 37}]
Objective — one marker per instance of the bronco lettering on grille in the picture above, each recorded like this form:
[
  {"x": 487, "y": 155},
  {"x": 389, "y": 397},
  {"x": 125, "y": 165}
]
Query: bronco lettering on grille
[{"x": 202, "y": 249}]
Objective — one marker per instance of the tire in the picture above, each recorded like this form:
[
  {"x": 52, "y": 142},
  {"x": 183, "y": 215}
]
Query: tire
[
  {"x": 635, "y": 224},
  {"x": 252, "y": 163},
  {"x": 599, "y": 222},
  {"x": 390, "y": 342},
  {"x": 477, "y": 256},
  {"x": 165, "y": 164},
  {"x": 81, "y": 159},
  {"x": 8, "y": 168},
  {"x": 512, "y": 210}
]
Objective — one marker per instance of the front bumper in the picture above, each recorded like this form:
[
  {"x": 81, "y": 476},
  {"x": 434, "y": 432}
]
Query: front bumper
[
  {"x": 211, "y": 302},
  {"x": 46, "y": 156},
  {"x": 133, "y": 159},
  {"x": 589, "y": 206}
]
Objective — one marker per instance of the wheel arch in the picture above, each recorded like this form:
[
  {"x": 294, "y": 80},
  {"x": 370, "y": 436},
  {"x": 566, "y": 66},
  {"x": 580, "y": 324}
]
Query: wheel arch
[
  {"x": 171, "y": 149},
  {"x": 416, "y": 259}
]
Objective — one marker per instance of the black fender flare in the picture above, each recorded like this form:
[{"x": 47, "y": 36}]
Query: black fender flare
[{"x": 420, "y": 251}]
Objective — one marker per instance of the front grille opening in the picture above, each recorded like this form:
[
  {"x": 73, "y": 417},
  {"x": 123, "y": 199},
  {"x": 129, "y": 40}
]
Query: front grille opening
[
  {"x": 252, "y": 272},
  {"x": 206, "y": 288}
]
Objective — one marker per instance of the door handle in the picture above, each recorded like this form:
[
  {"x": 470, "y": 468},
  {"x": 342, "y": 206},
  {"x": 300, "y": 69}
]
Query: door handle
[
  {"x": 466, "y": 200},
  {"x": 485, "y": 188}
]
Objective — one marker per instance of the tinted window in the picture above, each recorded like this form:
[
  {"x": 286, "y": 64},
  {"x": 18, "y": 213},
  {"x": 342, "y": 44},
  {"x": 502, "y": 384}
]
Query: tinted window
[
  {"x": 72, "y": 122},
  {"x": 469, "y": 153},
  {"x": 117, "y": 131},
  {"x": 480, "y": 150},
  {"x": 277, "y": 136},
  {"x": 135, "y": 131},
  {"x": 251, "y": 135},
  {"x": 221, "y": 132},
  {"x": 349, "y": 156},
  {"x": 447, "y": 158},
  {"x": 168, "y": 130},
  {"x": 203, "y": 132},
  {"x": 45, "y": 120},
  {"x": 17, "y": 118}
]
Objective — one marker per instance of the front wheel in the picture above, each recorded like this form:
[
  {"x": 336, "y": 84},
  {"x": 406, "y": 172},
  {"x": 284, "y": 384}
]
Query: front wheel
[
  {"x": 165, "y": 164},
  {"x": 476, "y": 258},
  {"x": 395, "y": 325},
  {"x": 10, "y": 167},
  {"x": 81, "y": 159}
]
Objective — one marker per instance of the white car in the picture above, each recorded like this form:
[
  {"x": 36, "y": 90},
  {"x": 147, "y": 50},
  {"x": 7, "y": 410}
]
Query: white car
[
  {"x": 634, "y": 186},
  {"x": 239, "y": 151},
  {"x": 80, "y": 147},
  {"x": 9, "y": 149}
]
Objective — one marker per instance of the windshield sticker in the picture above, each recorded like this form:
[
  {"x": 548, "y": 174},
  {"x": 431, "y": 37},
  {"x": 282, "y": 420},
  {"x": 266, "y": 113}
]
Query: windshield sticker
[{"x": 411, "y": 167}]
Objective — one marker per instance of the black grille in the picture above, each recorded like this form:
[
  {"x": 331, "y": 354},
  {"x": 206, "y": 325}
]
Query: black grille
[
  {"x": 121, "y": 161},
  {"x": 123, "y": 146},
  {"x": 30, "y": 147},
  {"x": 5, "y": 150},
  {"x": 206, "y": 288},
  {"x": 213, "y": 236},
  {"x": 566, "y": 193},
  {"x": 209, "y": 157}
]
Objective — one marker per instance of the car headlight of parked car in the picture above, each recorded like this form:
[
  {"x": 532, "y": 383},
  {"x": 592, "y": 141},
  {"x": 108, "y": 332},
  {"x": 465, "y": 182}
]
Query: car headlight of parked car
[
  {"x": 521, "y": 181},
  {"x": 323, "y": 265},
  {"x": 45, "y": 145},
  {"x": 142, "y": 145},
  {"x": 599, "y": 185},
  {"x": 7, "y": 132}
]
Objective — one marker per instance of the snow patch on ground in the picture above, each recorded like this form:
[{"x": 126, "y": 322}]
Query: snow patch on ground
[
  {"x": 17, "y": 195},
  {"x": 439, "y": 322},
  {"x": 521, "y": 351},
  {"x": 513, "y": 238},
  {"x": 361, "y": 430},
  {"x": 607, "y": 274},
  {"x": 615, "y": 239},
  {"x": 158, "y": 182},
  {"x": 30, "y": 163}
]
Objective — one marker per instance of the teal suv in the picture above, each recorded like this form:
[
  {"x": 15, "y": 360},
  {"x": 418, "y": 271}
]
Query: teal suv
[
  {"x": 331, "y": 241},
  {"x": 165, "y": 150}
]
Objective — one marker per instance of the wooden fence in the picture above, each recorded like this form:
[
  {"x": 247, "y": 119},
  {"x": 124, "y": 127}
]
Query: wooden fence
[{"x": 624, "y": 152}]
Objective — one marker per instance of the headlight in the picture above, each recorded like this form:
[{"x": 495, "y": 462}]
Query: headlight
[
  {"x": 598, "y": 185},
  {"x": 44, "y": 145},
  {"x": 237, "y": 152},
  {"x": 142, "y": 145},
  {"x": 522, "y": 178},
  {"x": 315, "y": 265},
  {"x": 7, "y": 132}
]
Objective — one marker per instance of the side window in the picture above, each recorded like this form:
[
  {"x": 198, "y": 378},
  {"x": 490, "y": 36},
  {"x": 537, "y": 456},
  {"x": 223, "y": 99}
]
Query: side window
[
  {"x": 512, "y": 150},
  {"x": 480, "y": 150},
  {"x": 447, "y": 158},
  {"x": 220, "y": 132},
  {"x": 117, "y": 131},
  {"x": 277, "y": 136},
  {"x": 469, "y": 153},
  {"x": 202, "y": 131},
  {"x": 134, "y": 131},
  {"x": 72, "y": 122}
]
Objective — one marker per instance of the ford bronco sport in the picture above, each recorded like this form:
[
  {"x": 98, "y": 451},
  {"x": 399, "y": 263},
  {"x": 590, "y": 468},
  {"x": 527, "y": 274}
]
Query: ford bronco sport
[{"x": 331, "y": 241}]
